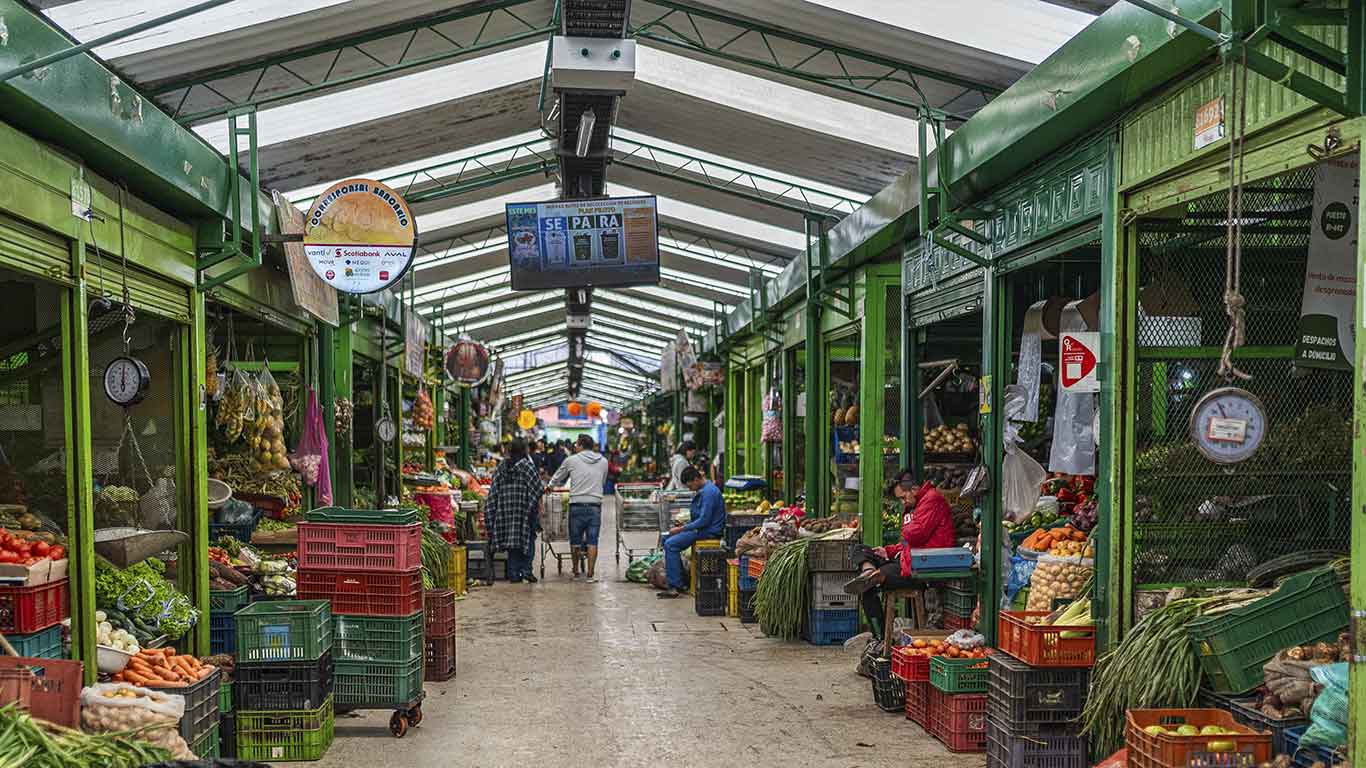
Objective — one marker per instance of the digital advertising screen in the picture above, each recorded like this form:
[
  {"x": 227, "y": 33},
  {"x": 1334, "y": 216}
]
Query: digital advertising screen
[{"x": 580, "y": 243}]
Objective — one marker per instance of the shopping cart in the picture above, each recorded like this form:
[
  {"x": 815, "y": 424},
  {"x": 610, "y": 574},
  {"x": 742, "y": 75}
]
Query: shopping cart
[
  {"x": 637, "y": 510},
  {"x": 669, "y": 504},
  {"x": 555, "y": 528}
]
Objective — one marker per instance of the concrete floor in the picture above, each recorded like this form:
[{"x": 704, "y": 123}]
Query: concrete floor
[{"x": 566, "y": 673}]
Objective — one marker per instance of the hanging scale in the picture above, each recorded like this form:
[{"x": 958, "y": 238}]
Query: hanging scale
[
  {"x": 126, "y": 378},
  {"x": 385, "y": 427}
]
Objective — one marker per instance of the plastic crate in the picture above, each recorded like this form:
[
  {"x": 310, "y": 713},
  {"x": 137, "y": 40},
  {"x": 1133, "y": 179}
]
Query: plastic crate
[
  {"x": 1235, "y": 644},
  {"x": 958, "y": 720},
  {"x": 368, "y": 638},
  {"x": 224, "y": 698},
  {"x": 1306, "y": 756},
  {"x": 362, "y": 684},
  {"x": 284, "y": 630},
  {"x": 960, "y": 599},
  {"x": 738, "y": 525},
  {"x": 438, "y": 606},
  {"x": 38, "y": 645},
  {"x": 747, "y": 615},
  {"x": 827, "y": 590},
  {"x": 201, "y": 705},
  {"x": 363, "y": 594},
  {"x": 709, "y": 562},
  {"x": 362, "y": 516},
  {"x": 457, "y": 573},
  {"x": 754, "y": 566},
  {"x": 283, "y": 685},
  {"x": 1044, "y": 646},
  {"x": 25, "y": 610},
  {"x": 240, "y": 531},
  {"x": 952, "y": 675},
  {"x": 1245, "y": 711},
  {"x": 1022, "y": 695},
  {"x": 360, "y": 548},
  {"x": 710, "y": 602},
  {"x": 227, "y": 737},
  {"x": 831, "y": 627},
  {"x": 889, "y": 691},
  {"x": 48, "y": 689},
  {"x": 1052, "y": 748},
  {"x": 228, "y": 601},
  {"x": 222, "y": 633},
  {"x": 284, "y": 736},
  {"x": 208, "y": 745},
  {"x": 733, "y": 590},
  {"x": 439, "y": 653},
  {"x": 911, "y": 667},
  {"x": 952, "y": 623},
  {"x": 1168, "y": 751},
  {"x": 831, "y": 555},
  {"x": 918, "y": 702},
  {"x": 747, "y": 581}
]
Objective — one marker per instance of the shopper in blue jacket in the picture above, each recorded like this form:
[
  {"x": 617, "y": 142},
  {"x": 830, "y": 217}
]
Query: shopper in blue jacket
[{"x": 708, "y": 522}]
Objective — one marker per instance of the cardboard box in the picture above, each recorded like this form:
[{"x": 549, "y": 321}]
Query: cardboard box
[{"x": 41, "y": 572}]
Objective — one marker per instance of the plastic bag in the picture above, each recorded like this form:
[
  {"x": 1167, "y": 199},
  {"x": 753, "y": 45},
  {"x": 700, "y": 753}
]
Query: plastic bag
[
  {"x": 1074, "y": 437},
  {"x": 636, "y": 572},
  {"x": 1331, "y": 709},
  {"x": 772, "y": 429},
  {"x": 117, "y": 707},
  {"x": 1021, "y": 570},
  {"x": 1021, "y": 475},
  {"x": 236, "y": 407},
  {"x": 310, "y": 455},
  {"x": 158, "y": 506}
]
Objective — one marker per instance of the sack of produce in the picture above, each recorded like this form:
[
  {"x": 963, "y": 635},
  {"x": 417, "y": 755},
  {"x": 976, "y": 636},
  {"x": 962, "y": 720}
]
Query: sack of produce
[
  {"x": 1057, "y": 578},
  {"x": 636, "y": 572},
  {"x": 656, "y": 576},
  {"x": 1331, "y": 710},
  {"x": 120, "y": 707},
  {"x": 771, "y": 430}
]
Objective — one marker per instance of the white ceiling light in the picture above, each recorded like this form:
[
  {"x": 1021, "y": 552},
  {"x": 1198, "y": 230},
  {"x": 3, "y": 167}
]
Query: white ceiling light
[{"x": 587, "y": 121}]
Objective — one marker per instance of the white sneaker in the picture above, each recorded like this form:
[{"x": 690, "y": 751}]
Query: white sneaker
[{"x": 592, "y": 579}]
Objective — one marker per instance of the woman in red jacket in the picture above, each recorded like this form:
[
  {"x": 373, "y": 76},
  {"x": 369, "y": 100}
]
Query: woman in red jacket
[{"x": 926, "y": 522}]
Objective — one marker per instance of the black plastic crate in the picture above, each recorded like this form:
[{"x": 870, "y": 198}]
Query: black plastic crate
[
  {"x": 711, "y": 602},
  {"x": 1055, "y": 746},
  {"x": 201, "y": 705},
  {"x": 714, "y": 583},
  {"x": 276, "y": 686},
  {"x": 1245, "y": 712},
  {"x": 222, "y": 633},
  {"x": 889, "y": 691},
  {"x": 1023, "y": 695},
  {"x": 227, "y": 736},
  {"x": 747, "y": 615},
  {"x": 710, "y": 562},
  {"x": 831, "y": 555},
  {"x": 738, "y": 525}
]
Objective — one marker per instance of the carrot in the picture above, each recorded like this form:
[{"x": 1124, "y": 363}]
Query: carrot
[{"x": 204, "y": 672}]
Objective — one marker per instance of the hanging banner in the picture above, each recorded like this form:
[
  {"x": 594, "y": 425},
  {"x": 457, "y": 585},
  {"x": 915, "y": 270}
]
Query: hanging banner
[
  {"x": 414, "y": 346},
  {"x": 360, "y": 236},
  {"x": 1327, "y": 335},
  {"x": 668, "y": 362},
  {"x": 467, "y": 362},
  {"x": 311, "y": 293}
]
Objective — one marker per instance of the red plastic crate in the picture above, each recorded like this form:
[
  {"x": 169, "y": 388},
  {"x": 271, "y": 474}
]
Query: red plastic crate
[
  {"x": 756, "y": 567},
  {"x": 369, "y": 548},
  {"x": 439, "y": 605},
  {"x": 1044, "y": 646},
  {"x": 1171, "y": 751},
  {"x": 363, "y": 594},
  {"x": 910, "y": 667},
  {"x": 440, "y": 658},
  {"x": 959, "y": 720},
  {"x": 953, "y": 623},
  {"x": 33, "y": 609},
  {"x": 48, "y": 689},
  {"x": 918, "y": 702}
]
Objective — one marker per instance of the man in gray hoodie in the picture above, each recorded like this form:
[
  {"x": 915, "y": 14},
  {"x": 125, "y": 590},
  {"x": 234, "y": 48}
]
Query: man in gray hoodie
[{"x": 586, "y": 471}]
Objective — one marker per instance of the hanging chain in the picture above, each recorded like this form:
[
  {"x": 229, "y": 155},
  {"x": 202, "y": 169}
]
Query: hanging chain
[
  {"x": 1235, "y": 304},
  {"x": 128, "y": 316}
]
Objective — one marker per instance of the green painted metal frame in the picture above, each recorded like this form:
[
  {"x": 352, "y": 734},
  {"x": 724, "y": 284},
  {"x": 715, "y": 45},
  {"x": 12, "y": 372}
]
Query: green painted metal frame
[
  {"x": 1356, "y": 727},
  {"x": 815, "y": 364},
  {"x": 872, "y": 395},
  {"x": 80, "y": 465},
  {"x": 232, "y": 246}
]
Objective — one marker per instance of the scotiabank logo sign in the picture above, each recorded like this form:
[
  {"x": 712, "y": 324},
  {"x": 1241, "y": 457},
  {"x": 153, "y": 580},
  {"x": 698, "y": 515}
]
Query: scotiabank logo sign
[{"x": 359, "y": 236}]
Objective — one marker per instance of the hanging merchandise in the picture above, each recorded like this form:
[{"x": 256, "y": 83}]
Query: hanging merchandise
[
  {"x": 424, "y": 416},
  {"x": 1074, "y": 445},
  {"x": 1040, "y": 322},
  {"x": 594, "y": 410},
  {"x": 266, "y": 430},
  {"x": 772, "y": 429},
  {"x": 344, "y": 414},
  {"x": 1021, "y": 475},
  {"x": 310, "y": 455}
]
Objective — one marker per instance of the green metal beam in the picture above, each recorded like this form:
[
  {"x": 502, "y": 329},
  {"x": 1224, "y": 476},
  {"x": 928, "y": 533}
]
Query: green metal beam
[
  {"x": 819, "y": 62},
  {"x": 175, "y": 93}
]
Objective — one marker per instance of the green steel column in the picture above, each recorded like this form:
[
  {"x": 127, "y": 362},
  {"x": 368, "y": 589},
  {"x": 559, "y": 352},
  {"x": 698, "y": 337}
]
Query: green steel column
[
  {"x": 79, "y": 461},
  {"x": 912, "y": 414},
  {"x": 814, "y": 394},
  {"x": 342, "y": 455},
  {"x": 734, "y": 429},
  {"x": 789, "y": 416},
  {"x": 193, "y": 470},
  {"x": 1109, "y": 457},
  {"x": 872, "y": 411},
  {"x": 327, "y": 397},
  {"x": 1356, "y": 727},
  {"x": 996, "y": 346}
]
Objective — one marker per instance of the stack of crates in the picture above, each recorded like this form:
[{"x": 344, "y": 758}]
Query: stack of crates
[
  {"x": 1032, "y": 715},
  {"x": 439, "y": 631},
  {"x": 710, "y": 593},
  {"x": 960, "y": 600},
  {"x": 833, "y": 616},
  {"x": 697, "y": 547},
  {"x": 733, "y": 588},
  {"x": 283, "y": 681},
  {"x": 957, "y": 705},
  {"x": 371, "y": 574},
  {"x": 31, "y": 617},
  {"x": 201, "y": 725},
  {"x": 748, "y": 577},
  {"x": 222, "y": 629},
  {"x": 457, "y": 575}
]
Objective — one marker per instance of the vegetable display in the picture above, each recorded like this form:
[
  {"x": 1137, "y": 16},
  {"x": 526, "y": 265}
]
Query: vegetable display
[
  {"x": 118, "y": 639},
  {"x": 944, "y": 439},
  {"x": 784, "y": 591},
  {"x": 27, "y": 548},
  {"x": 436, "y": 555},
  {"x": 141, "y": 600},
  {"x": 163, "y": 668},
  {"x": 1057, "y": 578},
  {"x": 265, "y": 433},
  {"x": 36, "y": 744},
  {"x": 152, "y": 716}
]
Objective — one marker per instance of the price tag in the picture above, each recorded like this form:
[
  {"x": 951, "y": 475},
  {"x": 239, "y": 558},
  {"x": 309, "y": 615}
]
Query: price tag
[{"x": 1227, "y": 430}]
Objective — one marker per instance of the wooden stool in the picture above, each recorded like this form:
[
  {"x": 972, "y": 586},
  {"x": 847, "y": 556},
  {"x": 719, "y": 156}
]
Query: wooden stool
[{"x": 889, "y": 597}]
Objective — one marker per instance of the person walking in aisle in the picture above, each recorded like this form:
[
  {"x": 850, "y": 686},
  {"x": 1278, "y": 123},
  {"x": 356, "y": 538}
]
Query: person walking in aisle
[
  {"x": 708, "y": 514},
  {"x": 511, "y": 511},
  {"x": 681, "y": 460},
  {"x": 586, "y": 471}
]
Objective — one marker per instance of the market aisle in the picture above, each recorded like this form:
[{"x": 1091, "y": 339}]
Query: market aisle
[{"x": 574, "y": 674}]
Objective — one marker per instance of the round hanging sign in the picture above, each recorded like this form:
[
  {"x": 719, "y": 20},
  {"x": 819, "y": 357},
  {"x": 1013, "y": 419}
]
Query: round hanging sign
[
  {"x": 467, "y": 361},
  {"x": 526, "y": 419},
  {"x": 360, "y": 236}
]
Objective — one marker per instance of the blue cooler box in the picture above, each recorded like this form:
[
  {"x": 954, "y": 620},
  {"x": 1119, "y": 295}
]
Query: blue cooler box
[{"x": 941, "y": 559}]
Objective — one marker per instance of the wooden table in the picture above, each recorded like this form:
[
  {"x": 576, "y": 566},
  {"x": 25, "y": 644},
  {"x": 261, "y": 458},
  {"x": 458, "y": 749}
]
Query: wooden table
[{"x": 916, "y": 595}]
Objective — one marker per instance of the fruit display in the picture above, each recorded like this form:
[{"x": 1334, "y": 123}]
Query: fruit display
[
  {"x": 736, "y": 501},
  {"x": 1044, "y": 516},
  {"x": 945, "y": 440},
  {"x": 963, "y": 644},
  {"x": 945, "y": 476},
  {"x": 29, "y": 547},
  {"x": 265, "y": 432},
  {"x": 424, "y": 417}
]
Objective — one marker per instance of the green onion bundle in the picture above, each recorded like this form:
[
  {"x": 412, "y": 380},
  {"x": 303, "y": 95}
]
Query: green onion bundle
[
  {"x": 31, "y": 744},
  {"x": 783, "y": 593}
]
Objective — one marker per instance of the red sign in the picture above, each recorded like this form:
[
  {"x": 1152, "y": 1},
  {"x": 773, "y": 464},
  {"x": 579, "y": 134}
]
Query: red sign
[{"x": 1077, "y": 361}]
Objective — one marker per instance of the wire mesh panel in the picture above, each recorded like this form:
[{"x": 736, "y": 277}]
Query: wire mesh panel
[{"x": 1195, "y": 521}]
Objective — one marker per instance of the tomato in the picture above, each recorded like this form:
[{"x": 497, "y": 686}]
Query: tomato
[
  {"x": 7, "y": 556},
  {"x": 29, "y": 560},
  {"x": 40, "y": 548},
  {"x": 57, "y": 552}
]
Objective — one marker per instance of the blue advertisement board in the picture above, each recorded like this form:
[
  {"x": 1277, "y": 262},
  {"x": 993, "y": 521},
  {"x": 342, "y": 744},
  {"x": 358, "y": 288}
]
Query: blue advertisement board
[{"x": 583, "y": 243}]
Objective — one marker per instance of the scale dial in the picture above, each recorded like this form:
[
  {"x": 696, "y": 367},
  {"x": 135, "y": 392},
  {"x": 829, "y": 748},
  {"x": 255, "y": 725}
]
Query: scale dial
[
  {"x": 1228, "y": 425},
  {"x": 126, "y": 381},
  {"x": 386, "y": 429}
]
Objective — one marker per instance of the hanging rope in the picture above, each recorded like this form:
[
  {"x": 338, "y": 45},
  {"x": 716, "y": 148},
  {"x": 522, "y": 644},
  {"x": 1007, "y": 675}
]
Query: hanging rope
[{"x": 1235, "y": 304}]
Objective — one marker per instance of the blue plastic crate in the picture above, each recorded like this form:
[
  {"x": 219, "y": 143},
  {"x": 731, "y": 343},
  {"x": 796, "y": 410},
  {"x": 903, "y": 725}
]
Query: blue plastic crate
[
  {"x": 831, "y": 627},
  {"x": 222, "y": 633},
  {"x": 747, "y": 582},
  {"x": 39, "y": 645},
  {"x": 941, "y": 559},
  {"x": 1304, "y": 758}
]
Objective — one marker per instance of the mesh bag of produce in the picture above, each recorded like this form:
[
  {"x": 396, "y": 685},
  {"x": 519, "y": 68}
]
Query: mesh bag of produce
[
  {"x": 1057, "y": 578},
  {"x": 120, "y": 707},
  {"x": 310, "y": 455}
]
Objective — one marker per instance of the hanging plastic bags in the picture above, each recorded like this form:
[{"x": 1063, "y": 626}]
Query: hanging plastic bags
[
  {"x": 1021, "y": 475},
  {"x": 1074, "y": 437},
  {"x": 772, "y": 429},
  {"x": 310, "y": 458},
  {"x": 266, "y": 430}
]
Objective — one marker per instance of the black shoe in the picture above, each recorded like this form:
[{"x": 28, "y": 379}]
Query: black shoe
[
  {"x": 859, "y": 584},
  {"x": 531, "y": 579},
  {"x": 668, "y": 594},
  {"x": 517, "y": 580}
]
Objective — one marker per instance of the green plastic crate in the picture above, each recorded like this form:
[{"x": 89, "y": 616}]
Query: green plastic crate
[
  {"x": 284, "y": 736},
  {"x": 960, "y": 599},
  {"x": 228, "y": 601},
  {"x": 284, "y": 630},
  {"x": 1234, "y": 645},
  {"x": 225, "y": 697},
  {"x": 364, "y": 684},
  {"x": 368, "y": 638},
  {"x": 206, "y": 747},
  {"x": 39, "y": 645},
  {"x": 959, "y": 675},
  {"x": 362, "y": 516}
]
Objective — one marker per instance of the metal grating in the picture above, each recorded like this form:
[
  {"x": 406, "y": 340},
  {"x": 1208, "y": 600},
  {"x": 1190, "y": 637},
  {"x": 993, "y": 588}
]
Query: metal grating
[
  {"x": 596, "y": 18},
  {"x": 1195, "y": 521}
]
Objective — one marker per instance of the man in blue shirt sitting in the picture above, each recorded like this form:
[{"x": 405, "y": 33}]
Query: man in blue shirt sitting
[{"x": 708, "y": 522}]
